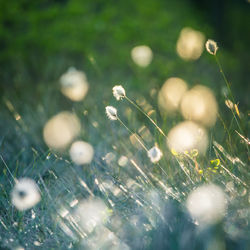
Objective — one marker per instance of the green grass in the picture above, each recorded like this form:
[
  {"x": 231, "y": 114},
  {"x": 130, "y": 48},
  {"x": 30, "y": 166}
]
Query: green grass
[
  {"x": 146, "y": 203},
  {"x": 150, "y": 207}
]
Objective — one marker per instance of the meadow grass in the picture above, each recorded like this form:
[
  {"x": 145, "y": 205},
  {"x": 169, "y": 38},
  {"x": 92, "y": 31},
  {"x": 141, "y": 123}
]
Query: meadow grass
[{"x": 143, "y": 203}]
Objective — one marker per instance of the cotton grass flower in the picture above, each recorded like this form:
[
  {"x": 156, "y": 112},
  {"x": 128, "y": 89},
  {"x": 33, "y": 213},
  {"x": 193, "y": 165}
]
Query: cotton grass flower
[
  {"x": 81, "y": 152},
  {"x": 187, "y": 136},
  {"x": 211, "y": 47},
  {"x": 74, "y": 84},
  {"x": 142, "y": 55},
  {"x": 90, "y": 213},
  {"x": 207, "y": 204},
  {"x": 119, "y": 92},
  {"x": 229, "y": 104},
  {"x": 154, "y": 154},
  {"x": 61, "y": 129},
  {"x": 199, "y": 104},
  {"x": 190, "y": 44},
  {"x": 111, "y": 113},
  {"x": 25, "y": 194},
  {"x": 171, "y": 93}
]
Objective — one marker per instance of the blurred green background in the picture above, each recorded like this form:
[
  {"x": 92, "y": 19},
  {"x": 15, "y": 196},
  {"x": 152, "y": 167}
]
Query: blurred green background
[{"x": 40, "y": 39}]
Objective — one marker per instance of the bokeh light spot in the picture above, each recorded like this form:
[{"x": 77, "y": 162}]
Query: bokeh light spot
[
  {"x": 61, "y": 129},
  {"x": 200, "y": 105},
  {"x": 170, "y": 94},
  {"x": 190, "y": 44},
  {"x": 186, "y": 136}
]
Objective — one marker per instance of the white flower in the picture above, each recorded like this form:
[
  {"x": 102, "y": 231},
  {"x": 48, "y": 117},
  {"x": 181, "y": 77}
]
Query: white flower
[
  {"x": 142, "y": 55},
  {"x": 211, "y": 47},
  {"x": 190, "y": 44},
  {"x": 186, "y": 136},
  {"x": 154, "y": 154},
  {"x": 61, "y": 129},
  {"x": 119, "y": 92},
  {"x": 207, "y": 204},
  {"x": 25, "y": 194},
  {"x": 74, "y": 84},
  {"x": 90, "y": 213},
  {"x": 81, "y": 152},
  {"x": 111, "y": 112}
]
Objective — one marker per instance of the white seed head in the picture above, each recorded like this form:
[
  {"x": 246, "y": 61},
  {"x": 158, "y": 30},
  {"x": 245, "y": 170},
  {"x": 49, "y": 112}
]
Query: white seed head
[
  {"x": 25, "y": 194},
  {"x": 90, "y": 213},
  {"x": 207, "y": 204},
  {"x": 211, "y": 47},
  {"x": 154, "y": 154},
  {"x": 229, "y": 104},
  {"x": 61, "y": 129},
  {"x": 142, "y": 55},
  {"x": 111, "y": 113},
  {"x": 81, "y": 152},
  {"x": 119, "y": 92},
  {"x": 186, "y": 136},
  {"x": 190, "y": 44},
  {"x": 74, "y": 84}
]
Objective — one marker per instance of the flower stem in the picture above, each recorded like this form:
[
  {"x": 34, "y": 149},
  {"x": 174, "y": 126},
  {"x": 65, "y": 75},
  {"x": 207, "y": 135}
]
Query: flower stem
[
  {"x": 137, "y": 107},
  {"x": 140, "y": 141},
  {"x": 231, "y": 95},
  {"x": 132, "y": 133}
]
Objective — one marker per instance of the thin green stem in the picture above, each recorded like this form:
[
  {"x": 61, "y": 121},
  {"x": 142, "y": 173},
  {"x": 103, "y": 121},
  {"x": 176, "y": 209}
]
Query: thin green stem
[
  {"x": 154, "y": 123},
  {"x": 224, "y": 77},
  {"x": 231, "y": 94},
  {"x": 132, "y": 133},
  {"x": 7, "y": 168},
  {"x": 139, "y": 140}
]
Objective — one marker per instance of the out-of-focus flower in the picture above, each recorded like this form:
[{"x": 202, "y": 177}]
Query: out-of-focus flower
[
  {"x": 109, "y": 157},
  {"x": 211, "y": 47},
  {"x": 81, "y": 152},
  {"x": 74, "y": 84},
  {"x": 187, "y": 136},
  {"x": 111, "y": 113},
  {"x": 154, "y": 154},
  {"x": 171, "y": 93},
  {"x": 199, "y": 105},
  {"x": 90, "y": 214},
  {"x": 190, "y": 44},
  {"x": 119, "y": 92},
  {"x": 207, "y": 204},
  {"x": 142, "y": 55},
  {"x": 61, "y": 129},
  {"x": 25, "y": 194},
  {"x": 123, "y": 160},
  {"x": 229, "y": 104}
]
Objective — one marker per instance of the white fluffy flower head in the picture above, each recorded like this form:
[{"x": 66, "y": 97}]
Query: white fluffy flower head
[
  {"x": 211, "y": 47},
  {"x": 111, "y": 113},
  {"x": 74, "y": 84},
  {"x": 119, "y": 92},
  {"x": 154, "y": 154},
  {"x": 25, "y": 194},
  {"x": 207, "y": 204},
  {"x": 91, "y": 213},
  {"x": 142, "y": 55},
  {"x": 81, "y": 152}
]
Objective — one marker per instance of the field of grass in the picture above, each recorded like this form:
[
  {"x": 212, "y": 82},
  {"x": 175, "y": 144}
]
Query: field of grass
[{"x": 116, "y": 193}]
